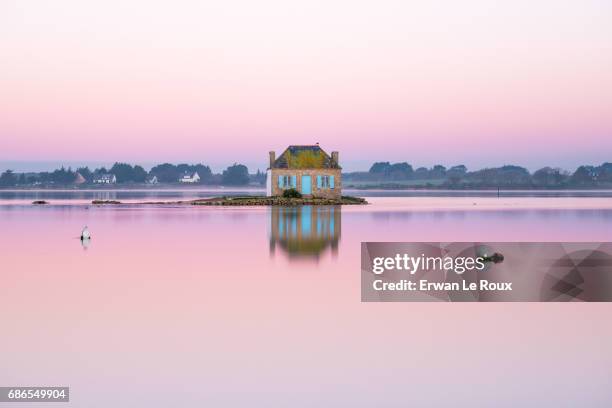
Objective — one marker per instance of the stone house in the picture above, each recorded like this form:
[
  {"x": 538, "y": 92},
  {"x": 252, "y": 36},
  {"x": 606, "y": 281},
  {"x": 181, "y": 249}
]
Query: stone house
[{"x": 308, "y": 169}]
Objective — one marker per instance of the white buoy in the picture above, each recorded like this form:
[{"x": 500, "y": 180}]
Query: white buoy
[{"x": 85, "y": 234}]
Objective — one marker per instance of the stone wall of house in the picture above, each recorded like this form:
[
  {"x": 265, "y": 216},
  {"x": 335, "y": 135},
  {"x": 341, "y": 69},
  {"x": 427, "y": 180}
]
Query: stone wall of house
[{"x": 336, "y": 192}]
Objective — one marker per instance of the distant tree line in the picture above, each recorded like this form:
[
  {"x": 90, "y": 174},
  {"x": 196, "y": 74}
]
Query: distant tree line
[
  {"x": 380, "y": 174},
  {"x": 399, "y": 175},
  {"x": 235, "y": 175}
]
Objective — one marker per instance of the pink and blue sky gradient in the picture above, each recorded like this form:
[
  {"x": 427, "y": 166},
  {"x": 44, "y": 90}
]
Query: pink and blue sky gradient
[{"x": 476, "y": 82}]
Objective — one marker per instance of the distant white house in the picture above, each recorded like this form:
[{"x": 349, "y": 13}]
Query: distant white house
[
  {"x": 104, "y": 179},
  {"x": 151, "y": 180},
  {"x": 190, "y": 177}
]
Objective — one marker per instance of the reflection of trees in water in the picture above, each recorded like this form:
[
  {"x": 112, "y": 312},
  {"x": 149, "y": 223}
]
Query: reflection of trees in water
[
  {"x": 105, "y": 195},
  {"x": 305, "y": 231}
]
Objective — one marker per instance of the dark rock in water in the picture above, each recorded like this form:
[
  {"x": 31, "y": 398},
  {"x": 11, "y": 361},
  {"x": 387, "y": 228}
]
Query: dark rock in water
[
  {"x": 40, "y": 202},
  {"x": 495, "y": 258},
  {"x": 99, "y": 202}
]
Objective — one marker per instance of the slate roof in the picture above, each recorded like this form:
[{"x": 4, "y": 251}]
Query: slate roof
[{"x": 282, "y": 162}]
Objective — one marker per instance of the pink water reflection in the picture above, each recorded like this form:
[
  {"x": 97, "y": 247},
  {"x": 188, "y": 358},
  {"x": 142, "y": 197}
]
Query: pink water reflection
[{"x": 186, "y": 307}]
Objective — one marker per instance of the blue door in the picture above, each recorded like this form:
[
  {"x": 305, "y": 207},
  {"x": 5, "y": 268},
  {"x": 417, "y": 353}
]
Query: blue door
[{"x": 306, "y": 185}]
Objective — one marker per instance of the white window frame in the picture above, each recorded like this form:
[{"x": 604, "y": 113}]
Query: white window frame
[
  {"x": 325, "y": 184},
  {"x": 286, "y": 181}
]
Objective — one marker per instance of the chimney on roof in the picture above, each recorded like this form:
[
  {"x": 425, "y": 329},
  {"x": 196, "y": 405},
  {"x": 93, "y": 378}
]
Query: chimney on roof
[
  {"x": 272, "y": 159},
  {"x": 335, "y": 158}
]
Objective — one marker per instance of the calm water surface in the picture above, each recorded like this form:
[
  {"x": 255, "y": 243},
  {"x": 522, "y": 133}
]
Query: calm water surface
[
  {"x": 203, "y": 306},
  {"x": 70, "y": 197}
]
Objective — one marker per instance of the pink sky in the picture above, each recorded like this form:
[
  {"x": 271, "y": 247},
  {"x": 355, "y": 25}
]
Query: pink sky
[{"x": 450, "y": 82}]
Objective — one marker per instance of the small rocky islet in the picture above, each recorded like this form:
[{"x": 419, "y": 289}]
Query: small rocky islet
[
  {"x": 103, "y": 202},
  {"x": 251, "y": 201},
  {"x": 278, "y": 201}
]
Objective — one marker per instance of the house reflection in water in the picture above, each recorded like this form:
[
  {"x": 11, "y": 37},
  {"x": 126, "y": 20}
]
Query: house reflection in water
[{"x": 305, "y": 232}]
